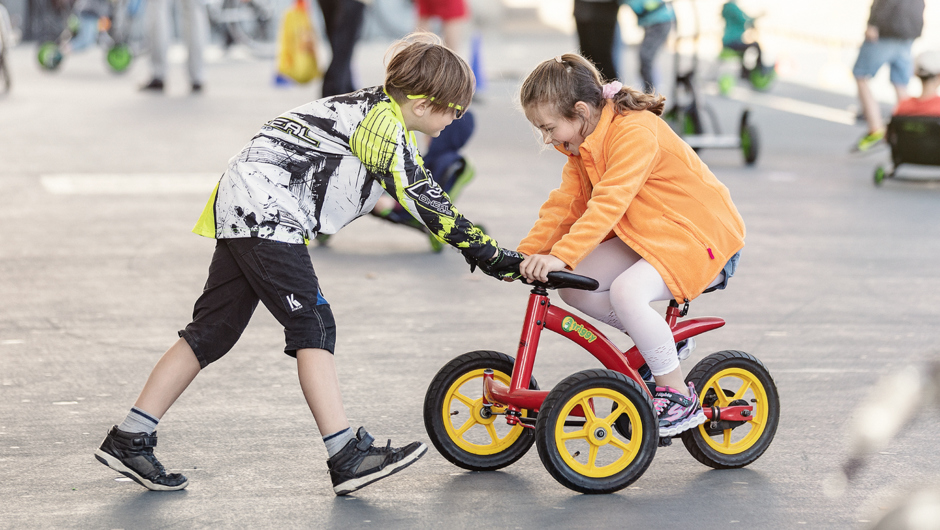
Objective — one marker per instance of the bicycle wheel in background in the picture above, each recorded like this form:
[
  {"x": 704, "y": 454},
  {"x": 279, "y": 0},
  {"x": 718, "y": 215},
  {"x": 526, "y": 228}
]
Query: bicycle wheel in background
[{"x": 252, "y": 23}]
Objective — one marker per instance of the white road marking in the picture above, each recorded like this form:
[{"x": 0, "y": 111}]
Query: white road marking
[
  {"x": 129, "y": 183},
  {"x": 793, "y": 106}
]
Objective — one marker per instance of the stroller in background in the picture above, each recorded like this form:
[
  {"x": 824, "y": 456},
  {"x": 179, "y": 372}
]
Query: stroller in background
[{"x": 914, "y": 141}]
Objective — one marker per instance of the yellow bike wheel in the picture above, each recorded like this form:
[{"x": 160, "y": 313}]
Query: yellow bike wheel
[
  {"x": 731, "y": 378},
  {"x": 462, "y": 429},
  {"x": 584, "y": 445}
]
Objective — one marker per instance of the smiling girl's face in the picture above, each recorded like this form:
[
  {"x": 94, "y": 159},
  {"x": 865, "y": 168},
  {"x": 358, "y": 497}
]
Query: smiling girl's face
[{"x": 556, "y": 130}]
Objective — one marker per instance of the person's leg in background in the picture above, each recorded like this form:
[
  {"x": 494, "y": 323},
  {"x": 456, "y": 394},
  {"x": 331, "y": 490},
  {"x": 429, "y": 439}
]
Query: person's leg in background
[
  {"x": 596, "y": 23},
  {"x": 654, "y": 37},
  {"x": 871, "y": 56},
  {"x": 196, "y": 30},
  {"x": 343, "y": 20},
  {"x": 158, "y": 19},
  {"x": 902, "y": 67}
]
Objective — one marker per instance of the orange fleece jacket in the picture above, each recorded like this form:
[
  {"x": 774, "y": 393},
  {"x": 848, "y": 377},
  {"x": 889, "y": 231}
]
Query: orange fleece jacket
[{"x": 637, "y": 180}]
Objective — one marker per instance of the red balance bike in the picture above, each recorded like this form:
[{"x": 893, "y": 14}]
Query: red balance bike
[{"x": 596, "y": 431}]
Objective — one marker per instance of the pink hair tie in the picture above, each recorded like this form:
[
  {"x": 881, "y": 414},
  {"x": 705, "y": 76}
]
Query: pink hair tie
[{"x": 611, "y": 89}]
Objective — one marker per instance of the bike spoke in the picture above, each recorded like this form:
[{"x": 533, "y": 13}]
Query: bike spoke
[
  {"x": 592, "y": 457},
  {"x": 466, "y": 426},
  {"x": 465, "y": 400},
  {"x": 720, "y": 394},
  {"x": 623, "y": 446},
  {"x": 741, "y": 391},
  {"x": 574, "y": 434},
  {"x": 621, "y": 407},
  {"x": 490, "y": 428},
  {"x": 588, "y": 411}
]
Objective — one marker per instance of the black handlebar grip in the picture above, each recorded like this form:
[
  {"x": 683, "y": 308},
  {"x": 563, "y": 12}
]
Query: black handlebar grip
[{"x": 572, "y": 281}]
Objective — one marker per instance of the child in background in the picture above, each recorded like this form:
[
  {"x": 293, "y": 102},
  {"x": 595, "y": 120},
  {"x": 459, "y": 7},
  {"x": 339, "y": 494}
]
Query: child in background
[
  {"x": 656, "y": 17},
  {"x": 312, "y": 170},
  {"x": 637, "y": 210},
  {"x": 452, "y": 14},
  {"x": 737, "y": 22},
  {"x": 927, "y": 69}
]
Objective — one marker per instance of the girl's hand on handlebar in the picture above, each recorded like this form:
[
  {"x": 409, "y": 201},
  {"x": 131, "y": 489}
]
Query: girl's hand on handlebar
[{"x": 537, "y": 267}]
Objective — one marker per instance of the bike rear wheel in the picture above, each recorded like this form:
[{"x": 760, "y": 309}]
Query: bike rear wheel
[{"x": 730, "y": 378}]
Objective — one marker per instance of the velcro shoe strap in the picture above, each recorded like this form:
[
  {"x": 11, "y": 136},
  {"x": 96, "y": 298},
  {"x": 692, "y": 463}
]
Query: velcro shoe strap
[
  {"x": 144, "y": 441},
  {"x": 365, "y": 441},
  {"x": 675, "y": 397}
]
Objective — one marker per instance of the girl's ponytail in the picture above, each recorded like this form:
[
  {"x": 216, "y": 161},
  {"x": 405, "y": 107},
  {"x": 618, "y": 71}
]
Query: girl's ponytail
[{"x": 632, "y": 99}]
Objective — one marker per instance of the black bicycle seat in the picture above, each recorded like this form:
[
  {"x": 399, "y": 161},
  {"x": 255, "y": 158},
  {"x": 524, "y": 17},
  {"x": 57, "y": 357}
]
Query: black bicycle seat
[{"x": 566, "y": 280}]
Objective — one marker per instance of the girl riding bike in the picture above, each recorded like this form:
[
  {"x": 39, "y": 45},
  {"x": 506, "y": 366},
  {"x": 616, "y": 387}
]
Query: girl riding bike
[{"x": 637, "y": 210}]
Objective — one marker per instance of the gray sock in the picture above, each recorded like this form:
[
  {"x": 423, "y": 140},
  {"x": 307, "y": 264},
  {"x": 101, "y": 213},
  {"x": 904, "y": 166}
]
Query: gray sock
[
  {"x": 337, "y": 441},
  {"x": 139, "y": 421}
]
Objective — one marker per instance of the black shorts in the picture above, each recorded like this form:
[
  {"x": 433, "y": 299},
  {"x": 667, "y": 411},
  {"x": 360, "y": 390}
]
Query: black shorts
[{"x": 244, "y": 271}]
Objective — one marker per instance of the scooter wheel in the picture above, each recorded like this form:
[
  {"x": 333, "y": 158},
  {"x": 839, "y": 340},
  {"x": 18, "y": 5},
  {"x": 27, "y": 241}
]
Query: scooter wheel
[
  {"x": 465, "y": 432},
  {"x": 879, "y": 175},
  {"x": 762, "y": 78},
  {"x": 590, "y": 453},
  {"x": 730, "y": 378},
  {"x": 119, "y": 57},
  {"x": 49, "y": 55},
  {"x": 750, "y": 144},
  {"x": 725, "y": 84}
]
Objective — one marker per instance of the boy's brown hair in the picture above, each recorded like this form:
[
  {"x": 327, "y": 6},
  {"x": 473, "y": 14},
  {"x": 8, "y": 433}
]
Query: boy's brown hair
[{"x": 422, "y": 66}]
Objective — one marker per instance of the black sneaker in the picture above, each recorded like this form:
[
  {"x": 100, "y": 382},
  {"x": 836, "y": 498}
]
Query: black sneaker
[
  {"x": 155, "y": 85},
  {"x": 359, "y": 463},
  {"x": 131, "y": 454}
]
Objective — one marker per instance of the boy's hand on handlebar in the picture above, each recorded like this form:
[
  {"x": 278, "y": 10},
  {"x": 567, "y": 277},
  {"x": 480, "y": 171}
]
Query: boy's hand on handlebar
[
  {"x": 537, "y": 267},
  {"x": 504, "y": 265}
]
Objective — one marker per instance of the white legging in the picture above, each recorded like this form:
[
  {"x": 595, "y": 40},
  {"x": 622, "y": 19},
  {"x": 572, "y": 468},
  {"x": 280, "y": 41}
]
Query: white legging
[{"x": 628, "y": 284}]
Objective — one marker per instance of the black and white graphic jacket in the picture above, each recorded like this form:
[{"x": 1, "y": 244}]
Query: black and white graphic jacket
[{"x": 318, "y": 167}]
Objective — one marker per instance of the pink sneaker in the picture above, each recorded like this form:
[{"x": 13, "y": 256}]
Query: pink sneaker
[{"x": 676, "y": 412}]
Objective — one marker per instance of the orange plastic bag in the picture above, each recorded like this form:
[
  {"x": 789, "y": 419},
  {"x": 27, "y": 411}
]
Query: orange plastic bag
[{"x": 297, "y": 54}]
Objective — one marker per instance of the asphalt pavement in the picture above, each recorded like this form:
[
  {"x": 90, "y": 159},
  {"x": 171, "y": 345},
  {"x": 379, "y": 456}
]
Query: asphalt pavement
[{"x": 100, "y": 186}]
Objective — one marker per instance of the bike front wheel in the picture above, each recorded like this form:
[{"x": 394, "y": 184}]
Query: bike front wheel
[
  {"x": 590, "y": 450},
  {"x": 463, "y": 430}
]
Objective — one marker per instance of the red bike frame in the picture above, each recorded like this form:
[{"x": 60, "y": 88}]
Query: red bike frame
[{"x": 540, "y": 314}]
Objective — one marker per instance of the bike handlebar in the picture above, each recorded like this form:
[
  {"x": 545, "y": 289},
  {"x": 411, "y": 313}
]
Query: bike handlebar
[{"x": 566, "y": 280}]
